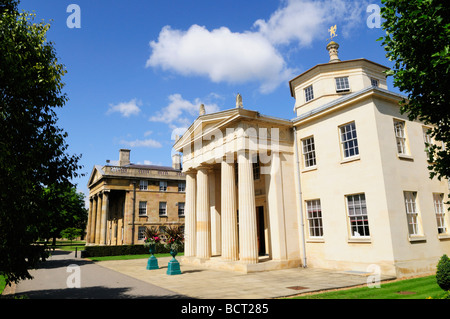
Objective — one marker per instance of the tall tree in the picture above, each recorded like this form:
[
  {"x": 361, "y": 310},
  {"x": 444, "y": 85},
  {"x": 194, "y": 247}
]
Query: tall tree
[
  {"x": 32, "y": 146},
  {"x": 418, "y": 41}
]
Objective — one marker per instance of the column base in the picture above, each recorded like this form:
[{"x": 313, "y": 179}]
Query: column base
[{"x": 264, "y": 264}]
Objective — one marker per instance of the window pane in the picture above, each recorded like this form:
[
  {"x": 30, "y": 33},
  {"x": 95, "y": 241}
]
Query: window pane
[
  {"x": 357, "y": 212},
  {"x": 309, "y": 153},
  {"x": 349, "y": 140},
  {"x": 314, "y": 216}
]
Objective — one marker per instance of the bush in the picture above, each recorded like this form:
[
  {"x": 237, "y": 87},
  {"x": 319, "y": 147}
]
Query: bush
[
  {"x": 102, "y": 251},
  {"x": 443, "y": 273}
]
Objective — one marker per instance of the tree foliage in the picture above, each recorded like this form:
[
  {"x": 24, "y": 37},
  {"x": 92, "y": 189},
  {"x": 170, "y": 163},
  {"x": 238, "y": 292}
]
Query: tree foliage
[
  {"x": 33, "y": 151},
  {"x": 443, "y": 273},
  {"x": 418, "y": 41}
]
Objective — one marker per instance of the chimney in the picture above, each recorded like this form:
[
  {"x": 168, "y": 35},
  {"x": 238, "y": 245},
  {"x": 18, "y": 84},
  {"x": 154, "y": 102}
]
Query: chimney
[
  {"x": 124, "y": 157},
  {"x": 176, "y": 161}
]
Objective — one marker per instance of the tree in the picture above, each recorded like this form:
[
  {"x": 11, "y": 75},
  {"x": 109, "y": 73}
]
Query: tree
[
  {"x": 71, "y": 233},
  {"x": 418, "y": 41},
  {"x": 32, "y": 146},
  {"x": 64, "y": 207},
  {"x": 443, "y": 273}
]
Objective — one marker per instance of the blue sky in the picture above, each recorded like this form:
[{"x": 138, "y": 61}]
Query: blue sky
[{"x": 138, "y": 70}]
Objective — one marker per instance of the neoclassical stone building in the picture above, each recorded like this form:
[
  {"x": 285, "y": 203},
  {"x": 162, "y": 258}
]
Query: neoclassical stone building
[
  {"x": 127, "y": 198},
  {"x": 344, "y": 185}
]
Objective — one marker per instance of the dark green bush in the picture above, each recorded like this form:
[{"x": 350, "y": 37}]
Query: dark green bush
[
  {"x": 443, "y": 273},
  {"x": 101, "y": 251}
]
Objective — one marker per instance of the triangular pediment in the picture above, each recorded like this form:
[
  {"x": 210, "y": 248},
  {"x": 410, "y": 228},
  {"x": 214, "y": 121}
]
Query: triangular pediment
[{"x": 96, "y": 174}]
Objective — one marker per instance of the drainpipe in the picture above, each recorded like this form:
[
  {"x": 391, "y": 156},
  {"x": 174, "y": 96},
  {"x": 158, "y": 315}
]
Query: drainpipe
[
  {"x": 299, "y": 197},
  {"x": 134, "y": 213}
]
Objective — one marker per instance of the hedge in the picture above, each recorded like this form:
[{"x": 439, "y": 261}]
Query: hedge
[{"x": 101, "y": 251}]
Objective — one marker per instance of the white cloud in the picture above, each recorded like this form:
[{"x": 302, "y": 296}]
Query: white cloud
[
  {"x": 238, "y": 57},
  {"x": 126, "y": 108},
  {"x": 304, "y": 21},
  {"x": 221, "y": 55},
  {"x": 142, "y": 143},
  {"x": 181, "y": 111}
]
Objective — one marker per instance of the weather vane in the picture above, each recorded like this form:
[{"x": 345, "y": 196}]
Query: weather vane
[{"x": 332, "y": 31}]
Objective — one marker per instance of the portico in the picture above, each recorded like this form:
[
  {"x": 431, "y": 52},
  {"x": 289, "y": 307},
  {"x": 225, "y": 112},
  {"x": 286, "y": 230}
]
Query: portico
[{"x": 234, "y": 161}]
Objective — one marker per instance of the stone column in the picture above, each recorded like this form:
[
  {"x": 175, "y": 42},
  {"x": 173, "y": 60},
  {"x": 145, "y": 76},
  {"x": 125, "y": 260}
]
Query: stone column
[
  {"x": 203, "y": 220},
  {"x": 248, "y": 240},
  {"x": 190, "y": 228},
  {"x": 93, "y": 220},
  {"x": 214, "y": 203},
  {"x": 98, "y": 219},
  {"x": 88, "y": 227},
  {"x": 104, "y": 223},
  {"x": 229, "y": 214}
]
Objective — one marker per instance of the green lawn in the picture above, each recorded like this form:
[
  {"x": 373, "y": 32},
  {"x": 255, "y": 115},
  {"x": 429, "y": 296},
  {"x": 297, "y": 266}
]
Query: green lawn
[{"x": 416, "y": 288}]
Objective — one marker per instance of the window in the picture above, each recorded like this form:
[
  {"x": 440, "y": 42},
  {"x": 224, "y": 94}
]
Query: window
[
  {"x": 412, "y": 212},
  {"x": 309, "y": 94},
  {"x": 357, "y": 213},
  {"x": 142, "y": 208},
  {"x": 309, "y": 152},
  {"x": 181, "y": 186},
  {"x": 349, "y": 140},
  {"x": 180, "y": 209},
  {"x": 314, "y": 215},
  {"x": 162, "y": 208},
  {"x": 439, "y": 209},
  {"x": 162, "y": 186},
  {"x": 256, "y": 169},
  {"x": 342, "y": 84},
  {"x": 141, "y": 232},
  {"x": 143, "y": 185},
  {"x": 399, "y": 128},
  {"x": 374, "y": 82}
]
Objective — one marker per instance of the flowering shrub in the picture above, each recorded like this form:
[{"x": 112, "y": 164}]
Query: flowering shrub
[
  {"x": 175, "y": 237},
  {"x": 152, "y": 236}
]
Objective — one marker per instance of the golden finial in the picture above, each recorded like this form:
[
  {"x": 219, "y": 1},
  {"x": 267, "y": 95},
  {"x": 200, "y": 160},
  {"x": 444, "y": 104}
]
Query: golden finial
[{"x": 332, "y": 31}]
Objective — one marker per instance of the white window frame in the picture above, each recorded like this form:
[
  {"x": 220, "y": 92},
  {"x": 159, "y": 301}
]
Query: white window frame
[
  {"x": 141, "y": 232},
  {"x": 358, "y": 217},
  {"x": 143, "y": 185},
  {"x": 440, "y": 211},
  {"x": 349, "y": 140},
  {"x": 309, "y": 93},
  {"x": 400, "y": 136},
  {"x": 142, "y": 208},
  {"x": 162, "y": 208},
  {"x": 342, "y": 84},
  {"x": 412, "y": 213},
  {"x": 163, "y": 186},
  {"x": 314, "y": 217},
  {"x": 309, "y": 152},
  {"x": 181, "y": 186},
  {"x": 374, "y": 82},
  {"x": 181, "y": 206}
]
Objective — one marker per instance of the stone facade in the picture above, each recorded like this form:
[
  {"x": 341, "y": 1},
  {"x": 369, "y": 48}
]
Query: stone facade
[
  {"x": 344, "y": 185},
  {"x": 125, "y": 199}
]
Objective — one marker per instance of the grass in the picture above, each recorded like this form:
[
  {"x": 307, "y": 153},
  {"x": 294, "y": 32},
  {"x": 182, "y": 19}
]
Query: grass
[{"x": 416, "y": 288}]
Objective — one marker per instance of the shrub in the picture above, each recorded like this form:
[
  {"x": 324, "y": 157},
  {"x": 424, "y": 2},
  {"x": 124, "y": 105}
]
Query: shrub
[
  {"x": 443, "y": 273},
  {"x": 102, "y": 251}
]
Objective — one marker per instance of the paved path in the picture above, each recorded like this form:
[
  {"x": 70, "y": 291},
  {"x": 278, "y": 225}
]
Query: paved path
[
  {"x": 96, "y": 282},
  {"x": 124, "y": 279}
]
